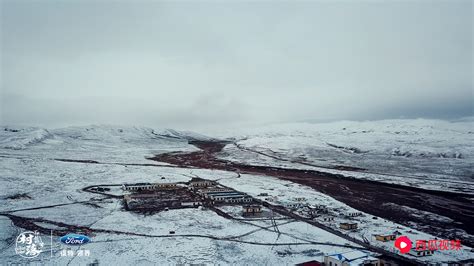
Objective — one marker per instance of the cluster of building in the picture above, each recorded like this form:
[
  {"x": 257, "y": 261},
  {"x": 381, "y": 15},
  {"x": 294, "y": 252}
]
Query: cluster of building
[
  {"x": 414, "y": 252},
  {"x": 352, "y": 258},
  {"x": 316, "y": 210},
  {"x": 299, "y": 204},
  {"x": 213, "y": 193},
  {"x": 191, "y": 194},
  {"x": 158, "y": 196},
  {"x": 161, "y": 200},
  {"x": 292, "y": 204},
  {"x": 296, "y": 203},
  {"x": 153, "y": 201},
  {"x": 199, "y": 191}
]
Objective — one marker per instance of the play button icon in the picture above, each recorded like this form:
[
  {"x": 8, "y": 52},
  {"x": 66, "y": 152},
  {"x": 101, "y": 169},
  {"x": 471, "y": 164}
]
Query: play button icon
[{"x": 403, "y": 243}]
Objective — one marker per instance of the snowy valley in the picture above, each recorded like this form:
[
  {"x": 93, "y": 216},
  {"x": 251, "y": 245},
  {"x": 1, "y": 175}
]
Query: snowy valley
[{"x": 47, "y": 176}]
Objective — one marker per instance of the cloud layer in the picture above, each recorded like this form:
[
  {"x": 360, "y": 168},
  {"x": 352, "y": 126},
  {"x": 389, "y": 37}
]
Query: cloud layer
[{"x": 186, "y": 64}]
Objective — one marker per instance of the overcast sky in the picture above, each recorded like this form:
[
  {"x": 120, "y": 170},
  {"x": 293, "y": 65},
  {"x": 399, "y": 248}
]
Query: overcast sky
[{"x": 188, "y": 64}]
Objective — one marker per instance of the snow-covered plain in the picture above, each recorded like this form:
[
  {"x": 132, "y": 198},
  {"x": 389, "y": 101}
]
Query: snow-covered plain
[
  {"x": 28, "y": 165},
  {"x": 432, "y": 154}
]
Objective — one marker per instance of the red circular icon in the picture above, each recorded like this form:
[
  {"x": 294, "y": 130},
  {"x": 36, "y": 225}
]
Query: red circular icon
[{"x": 403, "y": 243}]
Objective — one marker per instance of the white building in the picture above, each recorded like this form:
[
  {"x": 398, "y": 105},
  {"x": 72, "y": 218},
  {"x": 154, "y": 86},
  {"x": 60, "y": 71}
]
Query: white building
[
  {"x": 352, "y": 258},
  {"x": 138, "y": 186},
  {"x": 354, "y": 214},
  {"x": 205, "y": 191},
  {"x": 229, "y": 197},
  {"x": 420, "y": 253},
  {"x": 191, "y": 204},
  {"x": 232, "y": 198},
  {"x": 147, "y": 186}
]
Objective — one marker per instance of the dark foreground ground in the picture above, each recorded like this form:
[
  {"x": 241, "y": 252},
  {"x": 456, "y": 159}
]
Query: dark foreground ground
[{"x": 376, "y": 198}]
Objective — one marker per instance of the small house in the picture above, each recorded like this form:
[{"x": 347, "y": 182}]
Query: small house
[
  {"x": 199, "y": 182},
  {"x": 292, "y": 205},
  {"x": 300, "y": 199},
  {"x": 348, "y": 226},
  {"x": 191, "y": 204},
  {"x": 420, "y": 253},
  {"x": 385, "y": 238},
  {"x": 354, "y": 214},
  {"x": 272, "y": 199},
  {"x": 165, "y": 185},
  {"x": 249, "y": 210},
  {"x": 316, "y": 210}
]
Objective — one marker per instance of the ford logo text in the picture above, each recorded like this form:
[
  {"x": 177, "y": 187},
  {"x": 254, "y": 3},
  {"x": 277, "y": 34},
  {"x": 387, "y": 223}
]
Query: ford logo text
[{"x": 75, "y": 239}]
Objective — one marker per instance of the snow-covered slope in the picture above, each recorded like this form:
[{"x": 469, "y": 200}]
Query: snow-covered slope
[
  {"x": 98, "y": 142},
  {"x": 20, "y": 138}
]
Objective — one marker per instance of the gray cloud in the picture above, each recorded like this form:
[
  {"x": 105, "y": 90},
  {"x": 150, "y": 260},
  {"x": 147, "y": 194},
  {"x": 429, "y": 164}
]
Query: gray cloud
[{"x": 186, "y": 64}]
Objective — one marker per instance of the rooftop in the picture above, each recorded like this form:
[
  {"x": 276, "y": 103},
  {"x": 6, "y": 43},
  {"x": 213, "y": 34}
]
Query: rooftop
[
  {"x": 232, "y": 196},
  {"x": 138, "y": 184},
  {"x": 219, "y": 193},
  {"x": 354, "y": 257},
  {"x": 252, "y": 206},
  {"x": 198, "y": 179}
]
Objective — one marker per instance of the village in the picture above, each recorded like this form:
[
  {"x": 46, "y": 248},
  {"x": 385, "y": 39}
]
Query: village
[{"x": 199, "y": 193}]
